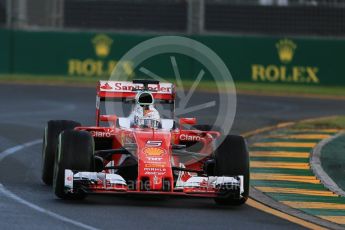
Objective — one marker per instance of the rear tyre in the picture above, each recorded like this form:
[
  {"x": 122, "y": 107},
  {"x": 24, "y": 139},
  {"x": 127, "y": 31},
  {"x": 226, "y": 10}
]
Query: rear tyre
[
  {"x": 232, "y": 159},
  {"x": 75, "y": 152},
  {"x": 49, "y": 147}
]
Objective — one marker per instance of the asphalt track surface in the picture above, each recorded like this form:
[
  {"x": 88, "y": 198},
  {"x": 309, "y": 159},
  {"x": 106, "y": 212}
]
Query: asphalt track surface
[{"x": 23, "y": 114}]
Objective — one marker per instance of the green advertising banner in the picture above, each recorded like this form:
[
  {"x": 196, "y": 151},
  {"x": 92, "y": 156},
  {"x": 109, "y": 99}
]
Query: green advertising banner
[
  {"x": 289, "y": 60},
  {"x": 249, "y": 59},
  {"x": 5, "y": 50},
  {"x": 70, "y": 54}
]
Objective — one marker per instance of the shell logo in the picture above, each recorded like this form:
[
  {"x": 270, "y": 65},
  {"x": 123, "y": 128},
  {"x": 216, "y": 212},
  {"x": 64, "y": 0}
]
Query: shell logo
[{"x": 154, "y": 151}]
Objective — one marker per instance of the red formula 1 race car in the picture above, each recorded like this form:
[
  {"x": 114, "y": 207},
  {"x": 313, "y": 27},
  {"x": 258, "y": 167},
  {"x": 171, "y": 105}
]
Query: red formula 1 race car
[{"x": 143, "y": 153}]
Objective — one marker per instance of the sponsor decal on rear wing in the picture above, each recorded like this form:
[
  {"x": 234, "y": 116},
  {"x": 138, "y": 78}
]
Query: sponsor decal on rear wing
[{"x": 126, "y": 89}]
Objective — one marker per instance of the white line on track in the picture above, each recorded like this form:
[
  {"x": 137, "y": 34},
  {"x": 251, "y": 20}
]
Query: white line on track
[{"x": 37, "y": 208}]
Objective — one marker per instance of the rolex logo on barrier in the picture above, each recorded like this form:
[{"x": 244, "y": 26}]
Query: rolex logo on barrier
[
  {"x": 285, "y": 70},
  {"x": 102, "y": 44},
  {"x": 100, "y": 63},
  {"x": 286, "y": 49}
]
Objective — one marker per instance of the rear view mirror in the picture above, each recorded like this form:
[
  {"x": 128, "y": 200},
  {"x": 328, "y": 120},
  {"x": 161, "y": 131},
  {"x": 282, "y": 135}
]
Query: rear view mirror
[{"x": 112, "y": 118}]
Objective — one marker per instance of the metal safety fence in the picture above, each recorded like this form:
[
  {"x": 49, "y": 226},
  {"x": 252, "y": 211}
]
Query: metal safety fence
[{"x": 269, "y": 17}]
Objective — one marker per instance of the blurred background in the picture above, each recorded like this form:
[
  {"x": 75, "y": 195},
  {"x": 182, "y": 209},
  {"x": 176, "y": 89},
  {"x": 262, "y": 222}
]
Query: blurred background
[
  {"x": 261, "y": 41},
  {"x": 267, "y": 17}
]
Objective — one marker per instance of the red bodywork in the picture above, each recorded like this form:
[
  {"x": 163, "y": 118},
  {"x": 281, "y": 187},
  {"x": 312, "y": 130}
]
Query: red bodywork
[{"x": 154, "y": 146}]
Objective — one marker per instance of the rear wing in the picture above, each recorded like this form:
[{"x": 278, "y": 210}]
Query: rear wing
[
  {"x": 123, "y": 90},
  {"x": 126, "y": 89}
]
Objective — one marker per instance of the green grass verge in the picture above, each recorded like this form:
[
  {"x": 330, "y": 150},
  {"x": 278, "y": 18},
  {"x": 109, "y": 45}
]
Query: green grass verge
[
  {"x": 337, "y": 122},
  {"x": 257, "y": 88}
]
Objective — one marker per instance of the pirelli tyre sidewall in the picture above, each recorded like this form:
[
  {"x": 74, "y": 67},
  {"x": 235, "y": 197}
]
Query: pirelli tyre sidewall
[
  {"x": 50, "y": 143},
  {"x": 75, "y": 152},
  {"x": 232, "y": 159}
]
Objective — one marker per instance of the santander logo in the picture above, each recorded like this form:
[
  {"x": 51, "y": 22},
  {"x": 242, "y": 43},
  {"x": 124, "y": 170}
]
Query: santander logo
[
  {"x": 106, "y": 86},
  {"x": 120, "y": 86},
  {"x": 126, "y": 86}
]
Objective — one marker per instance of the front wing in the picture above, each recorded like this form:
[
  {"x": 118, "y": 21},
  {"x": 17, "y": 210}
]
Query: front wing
[{"x": 197, "y": 186}]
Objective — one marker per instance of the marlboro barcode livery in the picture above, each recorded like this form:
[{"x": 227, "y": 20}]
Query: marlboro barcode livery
[{"x": 143, "y": 153}]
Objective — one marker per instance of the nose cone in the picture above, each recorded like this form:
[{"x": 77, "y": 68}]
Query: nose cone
[{"x": 154, "y": 160}]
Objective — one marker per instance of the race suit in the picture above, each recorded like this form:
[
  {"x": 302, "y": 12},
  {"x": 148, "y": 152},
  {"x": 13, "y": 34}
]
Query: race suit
[{"x": 139, "y": 112}]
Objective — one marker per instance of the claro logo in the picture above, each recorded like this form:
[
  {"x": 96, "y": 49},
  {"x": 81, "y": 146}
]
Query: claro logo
[
  {"x": 286, "y": 50},
  {"x": 100, "y": 134},
  {"x": 186, "y": 137}
]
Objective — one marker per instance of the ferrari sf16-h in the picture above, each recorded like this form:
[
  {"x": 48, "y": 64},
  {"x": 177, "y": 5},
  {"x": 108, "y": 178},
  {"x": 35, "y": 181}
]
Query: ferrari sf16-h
[{"x": 143, "y": 153}]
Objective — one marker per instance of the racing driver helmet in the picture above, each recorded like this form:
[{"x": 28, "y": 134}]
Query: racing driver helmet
[{"x": 147, "y": 116}]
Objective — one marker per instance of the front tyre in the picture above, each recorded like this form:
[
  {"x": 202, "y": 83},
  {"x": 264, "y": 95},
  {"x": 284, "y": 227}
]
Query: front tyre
[
  {"x": 232, "y": 159},
  {"x": 49, "y": 147},
  {"x": 75, "y": 152}
]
